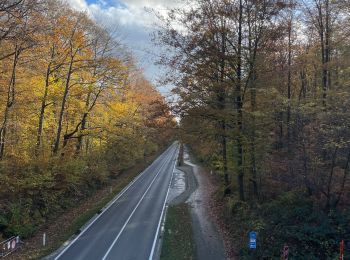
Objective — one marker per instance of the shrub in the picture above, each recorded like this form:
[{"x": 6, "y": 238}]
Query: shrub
[{"x": 290, "y": 219}]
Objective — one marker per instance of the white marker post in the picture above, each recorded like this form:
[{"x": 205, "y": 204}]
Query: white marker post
[{"x": 44, "y": 239}]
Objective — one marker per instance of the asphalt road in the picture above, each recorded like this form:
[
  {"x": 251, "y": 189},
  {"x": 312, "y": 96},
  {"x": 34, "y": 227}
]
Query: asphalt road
[{"x": 128, "y": 228}]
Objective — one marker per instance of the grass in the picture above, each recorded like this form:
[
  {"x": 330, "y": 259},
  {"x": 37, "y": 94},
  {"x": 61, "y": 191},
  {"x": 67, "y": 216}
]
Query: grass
[{"x": 178, "y": 241}]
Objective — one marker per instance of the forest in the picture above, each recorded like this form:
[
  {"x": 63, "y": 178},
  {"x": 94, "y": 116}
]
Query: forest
[
  {"x": 264, "y": 97},
  {"x": 262, "y": 90},
  {"x": 75, "y": 111}
]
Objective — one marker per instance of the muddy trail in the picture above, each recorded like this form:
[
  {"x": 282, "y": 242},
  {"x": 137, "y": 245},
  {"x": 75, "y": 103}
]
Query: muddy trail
[{"x": 192, "y": 186}]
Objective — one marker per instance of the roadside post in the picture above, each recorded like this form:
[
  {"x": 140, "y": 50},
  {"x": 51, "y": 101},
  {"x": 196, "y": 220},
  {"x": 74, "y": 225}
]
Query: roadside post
[
  {"x": 44, "y": 239},
  {"x": 342, "y": 250}
]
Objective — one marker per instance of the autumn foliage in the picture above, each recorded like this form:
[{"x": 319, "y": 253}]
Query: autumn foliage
[
  {"x": 74, "y": 111},
  {"x": 263, "y": 92}
]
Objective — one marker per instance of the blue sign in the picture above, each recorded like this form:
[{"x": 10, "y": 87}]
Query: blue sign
[{"x": 252, "y": 240}]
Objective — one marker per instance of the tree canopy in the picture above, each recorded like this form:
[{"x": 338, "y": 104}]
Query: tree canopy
[
  {"x": 74, "y": 110},
  {"x": 264, "y": 102}
]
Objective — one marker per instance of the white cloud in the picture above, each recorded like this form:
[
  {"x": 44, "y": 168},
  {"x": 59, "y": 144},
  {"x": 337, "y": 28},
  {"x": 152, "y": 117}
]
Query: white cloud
[
  {"x": 133, "y": 22},
  {"x": 124, "y": 12},
  {"x": 123, "y": 16},
  {"x": 157, "y": 4},
  {"x": 79, "y": 5}
]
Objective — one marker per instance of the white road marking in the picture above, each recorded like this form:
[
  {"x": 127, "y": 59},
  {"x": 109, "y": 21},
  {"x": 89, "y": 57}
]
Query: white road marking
[
  {"x": 132, "y": 213},
  {"x": 163, "y": 210},
  {"x": 111, "y": 203}
]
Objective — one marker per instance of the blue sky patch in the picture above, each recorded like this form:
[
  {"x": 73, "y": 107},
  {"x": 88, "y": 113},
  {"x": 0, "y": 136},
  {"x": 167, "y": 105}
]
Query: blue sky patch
[{"x": 108, "y": 3}]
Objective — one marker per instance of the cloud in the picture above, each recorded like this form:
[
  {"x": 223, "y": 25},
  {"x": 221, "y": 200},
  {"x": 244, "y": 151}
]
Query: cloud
[
  {"x": 133, "y": 23},
  {"x": 124, "y": 12},
  {"x": 157, "y": 4},
  {"x": 79, "y": 5},
  {"x": 130, "y": 16}
]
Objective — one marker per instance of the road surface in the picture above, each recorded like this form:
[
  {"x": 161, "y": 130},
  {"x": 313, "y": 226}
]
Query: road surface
[{"x": 128, "y": 228}]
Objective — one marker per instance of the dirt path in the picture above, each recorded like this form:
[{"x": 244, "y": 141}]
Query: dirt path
[
  {"x": 198, "y": 193},
  {"x": 209, "y": 241}
]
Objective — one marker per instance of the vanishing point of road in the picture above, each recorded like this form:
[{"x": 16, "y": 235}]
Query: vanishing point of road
[{"x": 129, "y": 227}]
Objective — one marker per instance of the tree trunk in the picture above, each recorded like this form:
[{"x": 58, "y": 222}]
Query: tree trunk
[
  {"x": 239, "y": 106},
  {"x": 9, "y": 103},
  {"x": 324, "y": 33},
  {"x": 63, "y": 104},
  {"x": 252, "y": 143},
  {"x": 43, "y": 107},
  {"x": 289, "y": 82},
  {"x": 222, "y": 106},
  {"x": 327, "y": 45},
  {"x": 83, "y": 124},
  {"x": 252, "y": 47},
  {"x": 224, "y": 158},
  {"x": 303, "y": 80},
  {"x": 80, "y": 137}
]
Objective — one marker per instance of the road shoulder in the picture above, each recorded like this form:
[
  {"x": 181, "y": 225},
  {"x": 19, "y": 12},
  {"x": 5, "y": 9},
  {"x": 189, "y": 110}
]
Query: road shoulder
[{"x": 196, "y": 199}]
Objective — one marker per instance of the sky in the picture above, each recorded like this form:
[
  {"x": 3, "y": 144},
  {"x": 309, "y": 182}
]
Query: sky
[{"x": 134, "y": 24}]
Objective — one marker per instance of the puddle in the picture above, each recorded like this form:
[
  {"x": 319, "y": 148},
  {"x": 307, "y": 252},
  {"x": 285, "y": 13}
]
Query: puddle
[
  {"x": 209, "y": 243},
  {"x": 178, "y": 185}
]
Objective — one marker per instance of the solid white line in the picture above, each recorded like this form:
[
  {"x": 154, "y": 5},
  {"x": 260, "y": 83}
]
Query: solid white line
[
  {"x": 161, "y": 215},
  {"x": 132, "y": 213},
  {"x": 111, "y": 203}
]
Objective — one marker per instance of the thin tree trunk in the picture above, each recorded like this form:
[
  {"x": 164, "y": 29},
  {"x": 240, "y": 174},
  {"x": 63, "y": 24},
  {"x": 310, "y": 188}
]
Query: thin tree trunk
[
  {"x": 252, "y": 87},
  {"x": 252, "y": 143},
  {"x": 303, "y": 80},
  {"x": 289, "y": 82},
  {"x": 83, "y": 124},
  {"x": 224, "y": 158},
  {"x": 87, "y": 143},
  {"x": 63, "y": 104},
  {"x": 239, "y": 106},
  {"x": 222, "y": 105},
  {"x": 324, "y": 49},
  {"x": 9, "y": 103},
  {"x": 43, "y": 105}
]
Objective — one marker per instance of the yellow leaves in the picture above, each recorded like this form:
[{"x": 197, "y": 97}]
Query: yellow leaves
[
  {"x": 68, "y": 87},
  {"x": 75, "y": 112},
  {"x": 38, "y": 83},
  {"x": 121, "y": 116}
]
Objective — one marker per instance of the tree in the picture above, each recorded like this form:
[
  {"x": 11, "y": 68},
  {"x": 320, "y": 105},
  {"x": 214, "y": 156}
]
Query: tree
[
  {"x": 16, "y": 37},
  {"x": 229, "y": 35},
  {"x": 71, "y": 95}
]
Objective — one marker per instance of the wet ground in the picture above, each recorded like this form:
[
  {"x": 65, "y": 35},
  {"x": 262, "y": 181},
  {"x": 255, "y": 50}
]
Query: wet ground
[
  {"x": 191, "y": 185},
  {"x": 178, "y": 185}
]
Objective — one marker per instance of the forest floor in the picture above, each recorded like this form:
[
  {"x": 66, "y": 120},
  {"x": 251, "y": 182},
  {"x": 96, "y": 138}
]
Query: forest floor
[{"x": 60, "y": 228}]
